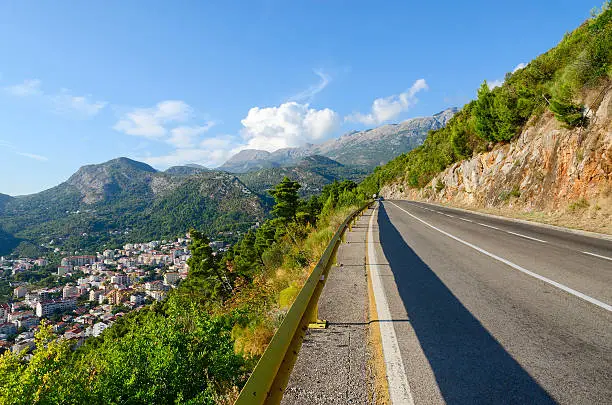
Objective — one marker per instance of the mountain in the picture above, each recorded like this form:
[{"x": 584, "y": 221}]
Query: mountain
[
  {"x": 358, "y": 148},
  {"x": 248, "y": 160},
  {"x": 4, "y": 199},
  {"x": 125, "y": 200},
  {"x": 312, "y": 172},
  {"x": 186, "y": 170}
]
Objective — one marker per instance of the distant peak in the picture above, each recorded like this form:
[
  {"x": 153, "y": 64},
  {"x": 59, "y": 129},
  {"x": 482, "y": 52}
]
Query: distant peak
[{"x": 123, "y": 163}]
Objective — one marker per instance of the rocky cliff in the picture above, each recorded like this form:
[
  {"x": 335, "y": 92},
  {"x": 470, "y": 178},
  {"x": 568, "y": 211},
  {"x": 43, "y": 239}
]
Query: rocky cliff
[{"x": 548, "y": 173}]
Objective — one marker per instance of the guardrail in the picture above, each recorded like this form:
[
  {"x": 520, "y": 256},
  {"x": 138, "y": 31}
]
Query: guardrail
[{"x": 271, "y": 374}]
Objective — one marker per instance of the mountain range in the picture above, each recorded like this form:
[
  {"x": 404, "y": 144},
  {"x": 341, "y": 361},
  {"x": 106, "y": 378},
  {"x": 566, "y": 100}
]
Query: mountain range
[
  {"x": 367, "y": 148},
  {"x": 125, "y": 200}
]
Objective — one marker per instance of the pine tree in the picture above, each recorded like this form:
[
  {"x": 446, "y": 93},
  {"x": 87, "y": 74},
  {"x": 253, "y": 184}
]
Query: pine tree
[
  {"x": 287, "y": 200},
  {"x": 204, "y": 273}
]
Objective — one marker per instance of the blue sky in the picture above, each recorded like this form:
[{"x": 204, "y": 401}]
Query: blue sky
[{"x": 195, "y": 81}]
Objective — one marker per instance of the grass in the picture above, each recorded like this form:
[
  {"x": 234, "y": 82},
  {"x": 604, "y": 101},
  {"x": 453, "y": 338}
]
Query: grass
[
  {"x": 513, "y": 192},
  {"x": 578, "y": 205}
]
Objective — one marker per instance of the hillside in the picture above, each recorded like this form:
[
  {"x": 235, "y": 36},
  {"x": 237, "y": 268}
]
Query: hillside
[
  {"x": 123, "y": 200},
  {"x": 186, "y": 170},
  {"x": 312, "y": 172},
  {"x": 538, "y": 147},
  {"x": 549, "y": 173},
  {"x": 359, "y": 148}
]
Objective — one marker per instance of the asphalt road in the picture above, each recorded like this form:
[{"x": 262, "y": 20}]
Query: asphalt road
[{"x": 492, "y": 311}]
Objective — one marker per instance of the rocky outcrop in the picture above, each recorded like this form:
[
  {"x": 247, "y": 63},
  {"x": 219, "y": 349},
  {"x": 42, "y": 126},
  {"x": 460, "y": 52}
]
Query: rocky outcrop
[
  {"x": 548, "y": 173},
  {"x": 361, "y": 148}
]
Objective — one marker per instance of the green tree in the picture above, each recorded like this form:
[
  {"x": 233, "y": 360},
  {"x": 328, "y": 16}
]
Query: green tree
[
  {"x": 205, "y": 276},
  {"x": 483, "y": 112},
  {"x": 286, "y": 200}
]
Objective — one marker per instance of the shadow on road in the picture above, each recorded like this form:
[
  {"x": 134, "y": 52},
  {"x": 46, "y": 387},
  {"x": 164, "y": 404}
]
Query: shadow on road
[{"x": 469, "y": 365}]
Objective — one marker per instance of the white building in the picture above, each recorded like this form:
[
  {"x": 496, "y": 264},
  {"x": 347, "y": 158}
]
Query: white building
[
  {"x": 98, "y": 328},
  {"x": 157, "y": 295},
  {"x": 137, "y": 299},
  {"x": 5, "y": 310},
  {"x": 46, "y": 308},
  {"x": 121, "y": 279},
  {"x": 20, "y": 292}
]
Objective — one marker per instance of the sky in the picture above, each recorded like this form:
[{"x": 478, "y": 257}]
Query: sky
[{"x": 178, "y": 82}]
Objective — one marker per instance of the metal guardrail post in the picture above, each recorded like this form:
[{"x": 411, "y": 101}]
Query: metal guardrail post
[{"x": 271, "y": 374}]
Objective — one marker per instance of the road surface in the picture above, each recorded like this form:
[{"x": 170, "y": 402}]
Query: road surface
[{"x": 485, "y": 310}]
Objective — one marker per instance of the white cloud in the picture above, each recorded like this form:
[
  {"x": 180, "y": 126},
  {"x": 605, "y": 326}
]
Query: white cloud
[
  {"x": 308, "y": 94},
  {"x": 33, "y": 156},
  {"x": 495, "y": 83},
  {"x": 170, "y": 121},
  {"x": 210, "y": 152},
  {"x": 150, "y": 122},
  {"x": 288, "y": 125},
  {"x": 65, "y": 102},
  {"x": 12, "y": 148},
  {"x": 62, "y": 102},
  {"x": 388, "y": 108},
  {"x": 185, "y": 136},
  {"x": 29, "y": 87}
]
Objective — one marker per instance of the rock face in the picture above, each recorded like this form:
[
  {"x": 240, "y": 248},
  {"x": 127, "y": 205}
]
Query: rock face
[
  {"x": 547, "y": 169},
  {"x": 102, "y": 181},
  {"x": 358, "y": 148},
  {"x": 123, "y": 200}
]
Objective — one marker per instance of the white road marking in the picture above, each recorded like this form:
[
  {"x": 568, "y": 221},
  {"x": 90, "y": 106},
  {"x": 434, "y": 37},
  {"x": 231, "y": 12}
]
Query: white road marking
[
  {"x": 449, "y": 215},
  {"x": 516, "y": 266},
  {"x": 399, "y": 390},
  {"x": 596, "y": 255},
  {"x": 527, "y": 237},
  {"x": 488, "y": 226},
  {"x": 503, "y": 230}
]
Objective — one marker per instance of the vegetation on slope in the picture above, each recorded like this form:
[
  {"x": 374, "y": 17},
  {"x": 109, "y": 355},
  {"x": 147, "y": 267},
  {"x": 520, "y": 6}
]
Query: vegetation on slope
[
  {"x": 554, "y": 80},
  {"x": 198, "y": 346},
  {"x": 312, "y": 172},
  {"x": 124, "y": 201}
]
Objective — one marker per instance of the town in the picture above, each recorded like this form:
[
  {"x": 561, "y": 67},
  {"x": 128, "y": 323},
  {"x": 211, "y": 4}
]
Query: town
[{"x": 92, "y": 291}]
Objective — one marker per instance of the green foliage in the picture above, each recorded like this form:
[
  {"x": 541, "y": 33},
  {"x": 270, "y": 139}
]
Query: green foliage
[
  {"x": 555, "y": 80},
  {"x": 206, "y": 277},
  {"x": 578, "y": 205},
  {"x": 136, "y": 205},
  {"x": 286, "y": 197},
  {"x": 513, "y": 192},
  {"x": 199, "y": 345},
  {"x": 178, "y": 355},
  {"x": 565, "y": 109}
]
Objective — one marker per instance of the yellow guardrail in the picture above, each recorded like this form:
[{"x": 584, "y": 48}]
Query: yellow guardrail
[{"x": 271, "y": 374}]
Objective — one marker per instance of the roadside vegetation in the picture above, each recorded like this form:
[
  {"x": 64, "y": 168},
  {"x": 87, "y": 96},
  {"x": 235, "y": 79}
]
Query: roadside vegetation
[
  {"x": 199, "y": 345},
  {"x": 554, "y": 80}
]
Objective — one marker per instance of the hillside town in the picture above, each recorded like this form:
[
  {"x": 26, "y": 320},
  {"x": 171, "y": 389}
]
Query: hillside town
[{"x": 93, "y": 291}]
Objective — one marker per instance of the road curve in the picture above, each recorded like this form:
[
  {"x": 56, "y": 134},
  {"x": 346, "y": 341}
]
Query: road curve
[{"x": 492, "y": 311}]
